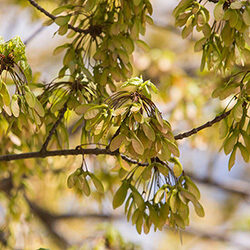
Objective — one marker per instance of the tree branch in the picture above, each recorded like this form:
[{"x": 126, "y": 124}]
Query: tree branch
[
  {"x": 45, "y": 12},
  {"x": 213, "y": 1},
  {"x": 53, "y": 129},
  {"x": 98, "y": 151},
  {"x": 65, "y": 152},
  {"x": 206, "y": 125}
]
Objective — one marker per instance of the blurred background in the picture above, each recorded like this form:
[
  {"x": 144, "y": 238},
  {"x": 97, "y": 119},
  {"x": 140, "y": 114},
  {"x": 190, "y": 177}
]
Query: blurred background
[{"x": 55, "y": 218}]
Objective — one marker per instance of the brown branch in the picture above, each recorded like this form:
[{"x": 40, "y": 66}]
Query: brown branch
[
  {"x": 53, "y": 129},
  {"x": 213, "y": 1},
  {"x": 206, "y": 125},
  {"x": 98, "y": 151},
  {"x": 45, "y": 12},
  {"x": 64, "y": 152}
]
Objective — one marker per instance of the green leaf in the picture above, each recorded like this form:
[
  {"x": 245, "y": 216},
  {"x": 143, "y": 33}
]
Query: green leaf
[
  {"x": 163, "y": 169},
  {"x": 143, "y": 45},
  {"x": 135, "y": 216},
  {"x": 82, "y": 108},
  {"x": 85, "y": 185},
  {"x": 218, "y": 12},
  {"x": 48, "y": 22},
  {"x": 165, "y": 153},
  {"x": 199, "y": 44},
  {"x": 62, "y": 20},
  {"x": 177, "y": 170},
  {"x": 229, "y": 143},
  {"x": 89, "y": 5},
  {"x": 188, "y": 195},
  {"x": 238, "y": 111},
  {"x": 236, "y": 5},
  {"x": 61, "y": 9},
  {"x": 159, "y": 195},
  {"x": 173, "y": 148},
  {"x": 138, "y": 199},
  {"x": 91, "y": 113},
  {"x": 223, "y": 128},
  {"x": 127, "y": 44},
  {"x": 59, "y": 49},
  {"x": 39, "y": 108},
  {"x": 137, "y": 146},
  {"x": 14, "y": 106},
  {"x": 120, "y": 195},
  {"x": 148, "y": 131},
  {"x": 139, "y": 221},
  {"x": 206, "y": 30},
  {"x": 192, "y": 188},
  {"x": 5, "y": 94},
  {"x": 159, "y": 117},
  {"x": 246, "y": 138},
  {"x": 246, "y": 16},
  {"x": 137, "y": 2},
  {"x": 71, "y": 181},
  {"x": 199, "y": 209},
  {"x": 232, "y": 159},
  {"x": 116, "y": 142},
  {"x": 186, "y": 31},
  {"x": 233, "y": 18},
  {"x": 97, "y": 183},
  {"x": 173, "y": 202},
  {"x": 243, "y": 152},
  {"x": 146, "y": 174},
  {"x": 30, "y": 99}
]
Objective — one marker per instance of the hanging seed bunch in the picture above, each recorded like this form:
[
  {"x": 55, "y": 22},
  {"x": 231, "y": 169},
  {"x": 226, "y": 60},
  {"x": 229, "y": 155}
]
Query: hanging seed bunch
[
  {"x": 159, "y": 193},
  {"x": 79, "y": 180},
  {"x": 235, "y": 129},
  {"x": 226, "y": 40},
  {"x": 74, "y": 92},
  {"x": 154, "y": 196},
  {"x": 109, "y": 30},
  {"x": 15, "y": 69},
  {"x": 142, "y": 132}
]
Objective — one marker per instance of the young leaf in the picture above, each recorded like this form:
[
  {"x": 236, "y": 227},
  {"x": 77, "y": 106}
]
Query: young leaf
[
  {"x": 97, "y": 183},
  {"x": 116, "y": 142},
  {"x": 148, "y": 131},
  {"x": 159, "y": 195},
  {"x": 85, "y": 185},
  {"x": 177, "y": 170},
  {"x": 232, "y": 159},
  {"x": 120, "y": 195},
  {"x": 138, "y": 200},
  {"x": 218, "y": 12},
  {"x": 229, "y": 143},
  {"x": 199, "y": 209},
  {"x": 137, "y": 146}
]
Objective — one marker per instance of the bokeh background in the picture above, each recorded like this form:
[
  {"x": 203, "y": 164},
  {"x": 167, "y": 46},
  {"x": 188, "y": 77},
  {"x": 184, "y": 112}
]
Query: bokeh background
[{"x": 57, "y": 218}]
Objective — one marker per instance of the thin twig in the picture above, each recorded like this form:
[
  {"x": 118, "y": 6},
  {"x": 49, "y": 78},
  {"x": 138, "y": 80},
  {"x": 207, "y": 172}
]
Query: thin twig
[
  {"x": 206, "y": 125},
  {"x": 64, "y": 152},
  {"x": 53, "y": 129},
  {"x": 45, "y": 12}
]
